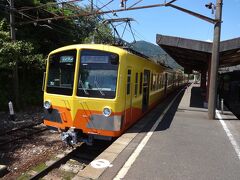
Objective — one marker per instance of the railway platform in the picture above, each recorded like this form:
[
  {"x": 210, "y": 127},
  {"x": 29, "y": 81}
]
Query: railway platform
[{"x": 176, "y": 140}]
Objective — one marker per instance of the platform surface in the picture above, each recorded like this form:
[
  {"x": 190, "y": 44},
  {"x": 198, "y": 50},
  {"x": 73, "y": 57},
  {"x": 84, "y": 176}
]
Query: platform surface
[{"x": 185, "y": 145}]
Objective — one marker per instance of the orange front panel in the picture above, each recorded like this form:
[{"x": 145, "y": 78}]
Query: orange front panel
[
  {"x": 82, "y": 119},
  {"x": 66, "y": 119},
  {"x": 53, "y": 124}
]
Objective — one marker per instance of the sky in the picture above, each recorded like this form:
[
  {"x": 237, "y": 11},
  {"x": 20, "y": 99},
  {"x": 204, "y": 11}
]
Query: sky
[{"x": 172, "y": 22}]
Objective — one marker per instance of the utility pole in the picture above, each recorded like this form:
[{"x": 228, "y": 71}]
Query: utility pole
[
  {"x": 15, "y": 70},
  {"x": 12, "y": 21},
  {"x": 215, "y": 61},
  {"x": 91, "y": 6}
]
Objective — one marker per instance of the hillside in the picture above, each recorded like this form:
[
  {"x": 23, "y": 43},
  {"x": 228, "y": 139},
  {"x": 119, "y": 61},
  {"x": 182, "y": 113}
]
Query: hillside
[{"x": 155, "y": 52}]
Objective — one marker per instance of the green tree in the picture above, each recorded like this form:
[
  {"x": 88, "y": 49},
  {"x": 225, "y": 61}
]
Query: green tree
[
  {"x": 10, "y": 53},
  {"x": 52, "y": 34}
]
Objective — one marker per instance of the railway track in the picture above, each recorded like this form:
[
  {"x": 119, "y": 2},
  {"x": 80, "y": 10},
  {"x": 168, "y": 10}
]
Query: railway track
[
  {"x": 19, "y": 128},
  {"x": 17, "y": 134},
  {"x": 83, "y": 154}
]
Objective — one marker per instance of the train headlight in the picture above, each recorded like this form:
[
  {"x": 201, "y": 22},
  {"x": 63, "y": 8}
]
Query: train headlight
[
  {"x": 47, "y": 105},
  {"x": 107, "y": 111}
]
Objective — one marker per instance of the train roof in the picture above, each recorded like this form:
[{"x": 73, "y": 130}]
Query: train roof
[
  {"x": 111, "y": 48},
  {"x": 88, "y": 46}
]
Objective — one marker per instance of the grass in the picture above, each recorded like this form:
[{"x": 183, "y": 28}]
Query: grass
[
  {"x": 39, "y": 167},
  {"x": 67, "y": 175},
  {"x": 24, "y": 176}
]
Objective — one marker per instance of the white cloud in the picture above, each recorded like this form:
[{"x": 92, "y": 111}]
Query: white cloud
[{"x": 208, "y": 40}]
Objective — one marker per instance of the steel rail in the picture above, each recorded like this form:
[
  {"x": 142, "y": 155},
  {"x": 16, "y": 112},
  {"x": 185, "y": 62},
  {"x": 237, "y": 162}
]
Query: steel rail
[
  {"x": 83, "y": 153},
  {"x": 22, "y": 137},
  {"x": 19, "y": 128},
  {"x": 55, "y": 164}
]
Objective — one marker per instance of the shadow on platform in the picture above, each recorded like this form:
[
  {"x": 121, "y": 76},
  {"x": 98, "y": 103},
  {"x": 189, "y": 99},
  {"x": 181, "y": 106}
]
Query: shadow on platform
[
  {"x": 168, "y": 118},
  {"x": 157, "y": 112}
]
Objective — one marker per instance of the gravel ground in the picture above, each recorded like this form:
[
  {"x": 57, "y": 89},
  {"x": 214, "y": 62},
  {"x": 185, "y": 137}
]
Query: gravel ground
[
  {"x": 27, "y": 153},
  {"x": 22, "y": 118}
]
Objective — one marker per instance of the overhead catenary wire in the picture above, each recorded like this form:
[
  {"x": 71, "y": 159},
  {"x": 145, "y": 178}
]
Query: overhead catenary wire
[
  {"x": 32, "y": 18},
  {"x": 136, "y": 3},
  {"x": 114, "y": 26},
  {"x": 47, "y": 4},
  {"x": 41, "y": 8},
  {"x": 132, "y": 31},
  {"x": 101, "y": 12}
]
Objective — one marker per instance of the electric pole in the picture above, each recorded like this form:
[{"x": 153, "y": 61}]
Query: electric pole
[
  {"x": 91, "y": 6},
  {"x": 215, "y": 62},
  {"x": 12, "y": 21},
  {"x": 15, "y": 70}
]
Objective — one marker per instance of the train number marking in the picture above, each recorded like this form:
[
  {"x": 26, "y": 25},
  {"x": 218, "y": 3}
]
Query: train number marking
[{"x": 100, "y": 163}]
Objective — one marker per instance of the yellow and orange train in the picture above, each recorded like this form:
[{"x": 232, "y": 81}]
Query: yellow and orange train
[{"x": 98, "y": 91}]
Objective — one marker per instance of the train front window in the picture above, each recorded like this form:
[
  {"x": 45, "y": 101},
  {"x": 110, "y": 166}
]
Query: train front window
[
  {"x": 61, "y": 72},
  {"x": 98, "y": 74}
]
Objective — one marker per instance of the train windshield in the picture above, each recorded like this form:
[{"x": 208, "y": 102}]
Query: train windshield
[
  {"x": 98, "y": 74},
  {"x": 61, "y": 72}
]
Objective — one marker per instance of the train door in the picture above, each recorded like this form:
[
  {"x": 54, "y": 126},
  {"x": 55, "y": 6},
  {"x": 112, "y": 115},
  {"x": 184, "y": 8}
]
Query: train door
[
  {"x": 146, "y": 81},
  {"x": 128, "y": 101},
  {"x": 165, "y": 83}
]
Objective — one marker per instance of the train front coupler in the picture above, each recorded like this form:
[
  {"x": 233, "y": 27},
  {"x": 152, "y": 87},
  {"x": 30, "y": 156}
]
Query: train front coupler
[
  {"x": 72, "y": 137},
  {"x": 69, "y": 137}
]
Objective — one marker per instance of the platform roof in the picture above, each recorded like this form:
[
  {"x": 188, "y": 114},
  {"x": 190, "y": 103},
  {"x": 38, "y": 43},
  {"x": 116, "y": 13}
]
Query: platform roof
[{"x": 194, "y": 54}]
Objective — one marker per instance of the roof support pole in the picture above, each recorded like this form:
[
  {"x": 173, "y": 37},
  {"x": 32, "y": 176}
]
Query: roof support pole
[{"x": 215, "y": 61}]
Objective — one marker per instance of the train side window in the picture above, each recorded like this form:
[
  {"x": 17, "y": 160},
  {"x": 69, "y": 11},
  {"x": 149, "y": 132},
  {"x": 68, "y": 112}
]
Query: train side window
[
  {"x": 140, "y": 88},
  {"x": 154, "y": 82},
  {"x": 136, "y": 84},
  {"x": 160, "y": 81},
  {"x": 129, "y": 81},
  {"x": 169, "y": 79},
  {"x": 151, "y": 81},
  {"x": 163, "y": 80}
]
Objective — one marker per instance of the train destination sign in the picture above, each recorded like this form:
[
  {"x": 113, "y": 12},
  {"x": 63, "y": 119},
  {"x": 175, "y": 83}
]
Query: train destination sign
[
  {"x": 95, "y": 59},
  {"x": 66, "y": 59}
]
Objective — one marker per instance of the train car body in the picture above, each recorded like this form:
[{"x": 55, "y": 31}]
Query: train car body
[
  {"x": 99, "y": 91},
  {"x": 229, "y": 90}
]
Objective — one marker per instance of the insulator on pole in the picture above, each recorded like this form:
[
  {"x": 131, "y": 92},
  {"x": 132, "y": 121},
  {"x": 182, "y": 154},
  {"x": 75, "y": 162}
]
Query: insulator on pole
[{"x": 123, "y": 3}]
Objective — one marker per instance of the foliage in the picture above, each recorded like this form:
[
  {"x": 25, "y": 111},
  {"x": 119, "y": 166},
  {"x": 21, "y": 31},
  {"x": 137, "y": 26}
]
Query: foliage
[
  {"x": 20, "y": 51},
  {"x": 56, "y": 33},
  {"x": 48, "y": 35},
  {"x": 30, "y": 66},
  {"x": 101, "y": 34}
]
